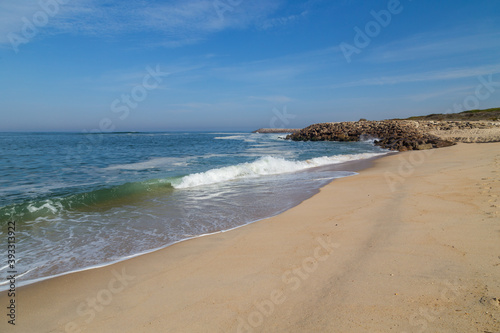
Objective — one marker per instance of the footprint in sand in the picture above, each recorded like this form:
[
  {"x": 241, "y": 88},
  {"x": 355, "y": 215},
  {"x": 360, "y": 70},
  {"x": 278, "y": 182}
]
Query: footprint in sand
[
  {"x": 485, "y": 187},
  {"x": 494, "y": 301},
  {"x": 485, "y": 300}
]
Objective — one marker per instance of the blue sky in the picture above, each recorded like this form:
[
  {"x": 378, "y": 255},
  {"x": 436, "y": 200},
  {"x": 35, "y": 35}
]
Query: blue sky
[{"x": 88, "y": 65}]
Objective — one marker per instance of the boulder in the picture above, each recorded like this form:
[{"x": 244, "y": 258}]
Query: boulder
[{"x": 398, "y": 135}]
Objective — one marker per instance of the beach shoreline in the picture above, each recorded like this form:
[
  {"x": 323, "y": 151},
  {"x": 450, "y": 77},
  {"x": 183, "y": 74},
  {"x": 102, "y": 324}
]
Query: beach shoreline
[
  {"x": 349, "y": 166},
  {"x": 418, "y": 230}
]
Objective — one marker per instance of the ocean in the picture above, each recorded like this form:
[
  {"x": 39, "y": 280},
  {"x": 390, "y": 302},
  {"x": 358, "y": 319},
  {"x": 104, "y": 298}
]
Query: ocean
[{"x": 86, "y": 200}]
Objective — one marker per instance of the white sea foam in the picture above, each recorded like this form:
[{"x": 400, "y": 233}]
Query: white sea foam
[
  {"x": 247, "y": 138},
  {"x": 213, "y": 155},
  {"x": 225, "y": 133},
  {"x": 231, "y": 137},
  {"x": 49, "y": 204},
  {"x": 160, "y": 162},
  {"x": 267, "y": 165}
]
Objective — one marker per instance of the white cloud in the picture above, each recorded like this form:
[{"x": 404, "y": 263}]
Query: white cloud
[
  {"x": 454, "y": 92},
  {"x": 279, "y": 69},
  {"x": 434, "y": 46},
  {"x": 279, "y": 21},
  {"x": 15, "y": 14},
  {"x": 448, "y": 74},
  {"x": 123, "y": 79},
  {"x": 175, "y": 23},
  {"x": 273, "y": 99}
]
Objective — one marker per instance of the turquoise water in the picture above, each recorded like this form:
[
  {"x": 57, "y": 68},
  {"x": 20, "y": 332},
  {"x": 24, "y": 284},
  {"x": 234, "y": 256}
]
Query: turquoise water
[{"x": 84, "y": 200}]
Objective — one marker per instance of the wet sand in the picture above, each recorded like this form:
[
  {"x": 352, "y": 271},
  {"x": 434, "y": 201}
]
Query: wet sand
[{"x": 411, "y": 244}]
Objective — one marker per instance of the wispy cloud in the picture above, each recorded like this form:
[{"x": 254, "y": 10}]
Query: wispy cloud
[
  {"x": 279, "y": 69},
  {"x": 448, "y": 74},
  {"x": 273, "y": 99},
  {"x": 263, "y": 80},
  {"x": 175, "y": 23},
  {"x": 17, "y": 15},
  {"x": 121, "y": 79},
  {"x": 434, "y": 46},
  {"x": 453, "y": 92},
  {"x": 281, "y": 21}
]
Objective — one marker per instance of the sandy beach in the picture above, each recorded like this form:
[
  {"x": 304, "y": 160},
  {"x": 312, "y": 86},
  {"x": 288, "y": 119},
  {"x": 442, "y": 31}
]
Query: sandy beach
[{"x": 411, "y": 244}]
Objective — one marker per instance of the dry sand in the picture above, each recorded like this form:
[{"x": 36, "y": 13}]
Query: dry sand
[
  {"x": 409, "y": 245},
  {"x": 469, "y": 135}
]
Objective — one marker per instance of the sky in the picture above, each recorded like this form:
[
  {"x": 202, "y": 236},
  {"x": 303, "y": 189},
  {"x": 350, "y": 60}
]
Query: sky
[{"x": 240, "y": 65}]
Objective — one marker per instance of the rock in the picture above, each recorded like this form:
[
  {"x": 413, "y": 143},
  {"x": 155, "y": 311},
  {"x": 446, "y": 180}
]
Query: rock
[{"x": 399, "y": 135}]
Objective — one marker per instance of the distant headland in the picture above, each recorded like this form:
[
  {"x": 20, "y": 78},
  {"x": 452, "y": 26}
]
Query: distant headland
[{"x": 276, "y": 130}]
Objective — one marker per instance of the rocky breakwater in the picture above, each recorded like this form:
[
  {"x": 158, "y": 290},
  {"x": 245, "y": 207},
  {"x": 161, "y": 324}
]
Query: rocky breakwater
[{"x": 398, "y": 135}]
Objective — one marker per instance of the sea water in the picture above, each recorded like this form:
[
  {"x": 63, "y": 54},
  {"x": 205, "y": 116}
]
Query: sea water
[{"x": 86, "y": 200}]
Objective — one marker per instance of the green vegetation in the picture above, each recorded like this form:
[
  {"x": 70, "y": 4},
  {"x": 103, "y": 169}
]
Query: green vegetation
[
  {"x": 492, "y": 114},
  {"x": 485, "y": 110}
]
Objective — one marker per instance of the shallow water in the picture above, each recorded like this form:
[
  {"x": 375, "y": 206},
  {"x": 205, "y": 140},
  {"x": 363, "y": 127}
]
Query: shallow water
[{"x": 83, "y": 200}]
